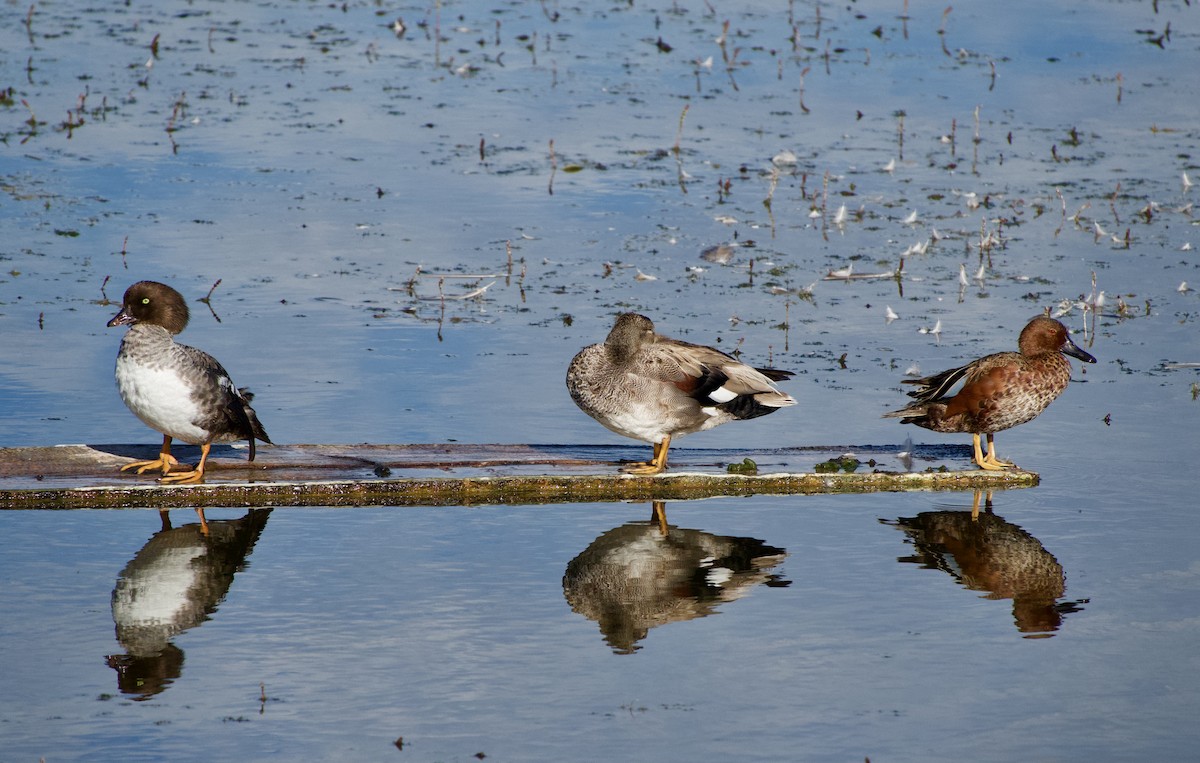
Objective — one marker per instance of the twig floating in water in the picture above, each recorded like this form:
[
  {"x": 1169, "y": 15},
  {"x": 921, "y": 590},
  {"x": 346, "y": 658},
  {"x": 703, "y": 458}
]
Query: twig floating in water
[{"x": 208, "y": 296}]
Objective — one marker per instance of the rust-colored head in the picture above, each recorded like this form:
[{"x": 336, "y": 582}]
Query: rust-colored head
[{"x": 1045, "y": 335}]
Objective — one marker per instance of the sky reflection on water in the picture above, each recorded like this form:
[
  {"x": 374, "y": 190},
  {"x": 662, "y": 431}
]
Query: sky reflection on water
[{"x": 368, "y": 624}]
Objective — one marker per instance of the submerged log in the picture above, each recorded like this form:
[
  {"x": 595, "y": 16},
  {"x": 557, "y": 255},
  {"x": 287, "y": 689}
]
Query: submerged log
[{"x": 88, "y": 476}]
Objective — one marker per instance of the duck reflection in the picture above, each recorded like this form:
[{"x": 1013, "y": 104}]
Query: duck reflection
[
  {"x": 174, "y": 583},
  {"x": 645, "y": 574},
  {"x": 985, "y": 553}
]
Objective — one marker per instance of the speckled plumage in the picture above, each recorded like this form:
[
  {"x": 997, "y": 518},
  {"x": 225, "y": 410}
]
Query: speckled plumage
[
  {"x": 180, "y": 391},
  {"x": 985, "y": 553},
  {"x": 642, "y": 385},
  {"x": 999, "y": 391},
  {"x": 645, "y": 574}
]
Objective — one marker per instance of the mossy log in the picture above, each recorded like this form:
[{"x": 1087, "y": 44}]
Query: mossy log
[{"x": 88, "y": 476}]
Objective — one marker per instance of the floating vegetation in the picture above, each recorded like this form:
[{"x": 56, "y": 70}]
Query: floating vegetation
[
  {"x": 747, "y": 466},
  {"x": 848, "y": 464}
]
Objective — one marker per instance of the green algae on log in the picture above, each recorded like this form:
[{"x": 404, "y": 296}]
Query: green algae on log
[
  {"x": 460, "y": 491},
  {"x": 80, "y": 476}
]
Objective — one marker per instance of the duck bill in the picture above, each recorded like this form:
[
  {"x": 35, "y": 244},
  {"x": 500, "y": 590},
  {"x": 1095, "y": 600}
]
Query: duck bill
[
  {"x": 122, "y": 318},
  {"x": 1070, "y": 348}
]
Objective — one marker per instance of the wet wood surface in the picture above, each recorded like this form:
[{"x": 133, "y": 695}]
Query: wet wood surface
[{"x": 88, "y": 476}]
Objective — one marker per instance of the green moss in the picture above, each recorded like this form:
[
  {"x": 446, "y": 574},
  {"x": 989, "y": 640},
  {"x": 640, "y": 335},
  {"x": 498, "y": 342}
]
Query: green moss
[{"x": 747, "y": 466}]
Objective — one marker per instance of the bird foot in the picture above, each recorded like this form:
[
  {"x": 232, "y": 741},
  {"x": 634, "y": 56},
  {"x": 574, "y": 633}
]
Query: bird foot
[
  {"x": 991, "y": 466},
  {"x": 192, "y": 477},
  {"x": 642, "y": 468},
  {"x": 164, "y": 462}
]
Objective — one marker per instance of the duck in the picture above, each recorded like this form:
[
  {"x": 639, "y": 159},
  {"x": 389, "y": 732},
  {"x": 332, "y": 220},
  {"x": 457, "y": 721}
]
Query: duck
[
  {"x": 641, "y": 575},
  {"x": 178, "y": 390},
  {"x": 175, "y": 583},
  {"x": 985, "y": 553},
  {"x": 652, "y": 388},
  {"x": 999, "y": 391}
]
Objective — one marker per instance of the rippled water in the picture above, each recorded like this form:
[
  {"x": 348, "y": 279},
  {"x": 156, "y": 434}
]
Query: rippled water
[
  {"x": 328, "y": 172},
  {"x": 363, "y": 626}
]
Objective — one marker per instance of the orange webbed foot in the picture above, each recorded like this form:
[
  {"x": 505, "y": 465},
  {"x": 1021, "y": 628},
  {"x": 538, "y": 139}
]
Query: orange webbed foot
[
  {"x": 164, "y": 462},
  {"x": 995, "y": 461},
  {"x": 195, "y": 476},
  {"x": 982, "y": 461},
  {"x": 643, "y": 468},
  {"x": 657, "y": 465}
]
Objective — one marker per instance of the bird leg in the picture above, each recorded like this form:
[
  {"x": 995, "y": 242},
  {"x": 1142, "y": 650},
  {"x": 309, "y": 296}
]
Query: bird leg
[
  {"x": 637, "y": 467},
  {"x": 657, "y": 464},
  {"x": 979, "y": 457},
  {"x": 164, "y": 461},
  {"x": 659, "y": 517},
  {"x": 991, "y": 455},
  {"x": 192, "y": 477},
  {"x": 166, "y": 520}
]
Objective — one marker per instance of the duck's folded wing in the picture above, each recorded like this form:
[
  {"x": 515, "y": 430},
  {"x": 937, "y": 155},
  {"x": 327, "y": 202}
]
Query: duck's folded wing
[{"x": 713, "y": 377}]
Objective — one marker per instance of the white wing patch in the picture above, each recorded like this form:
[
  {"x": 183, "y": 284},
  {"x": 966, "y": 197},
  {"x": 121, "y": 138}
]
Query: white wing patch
[{"x": 721, "y": 395}]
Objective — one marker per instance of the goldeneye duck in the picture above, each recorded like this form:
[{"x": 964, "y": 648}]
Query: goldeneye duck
[
  {"x": 178, "y": 390},
  {"x": 643, "y": 385},
  {"x": 999, "y": 391}
]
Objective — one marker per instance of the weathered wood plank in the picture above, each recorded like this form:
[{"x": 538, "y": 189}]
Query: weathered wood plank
[{"x": 87, "y": 476}]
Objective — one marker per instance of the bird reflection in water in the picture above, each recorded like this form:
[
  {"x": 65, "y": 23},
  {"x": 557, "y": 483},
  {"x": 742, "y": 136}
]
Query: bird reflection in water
[
  {"x": 645, "y": 574},
  {"x": 175, "y": 582},
  {"x": 985, "y": 553}
]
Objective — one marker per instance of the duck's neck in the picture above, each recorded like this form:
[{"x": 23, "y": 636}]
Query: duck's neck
[
  {"x": 622, "y": 349},
  {"x": 146, "y": 340}
]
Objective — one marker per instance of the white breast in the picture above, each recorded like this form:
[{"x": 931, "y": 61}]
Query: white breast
[
  {"x": 161, "y": 399},
  {"x": 158, "y": 595}
]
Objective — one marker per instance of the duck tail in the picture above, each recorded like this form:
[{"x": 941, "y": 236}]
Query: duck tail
[
  {"x": 917, "y": 413},
  {"x": 753, "y": 406},
  {"x": 776, "y": 374},
  {"x": 256, "y": 428}
]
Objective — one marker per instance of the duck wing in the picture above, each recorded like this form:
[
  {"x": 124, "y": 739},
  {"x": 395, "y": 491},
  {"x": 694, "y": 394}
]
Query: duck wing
[
  {"x": 224, "y": 409},
  {"x": 713, "y": 377}
]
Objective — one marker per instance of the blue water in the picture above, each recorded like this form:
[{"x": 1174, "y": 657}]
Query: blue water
[{"x": 321, "y": 161}]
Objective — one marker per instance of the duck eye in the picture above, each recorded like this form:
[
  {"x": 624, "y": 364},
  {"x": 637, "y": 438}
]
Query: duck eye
[{"x": 145, "y": 300}]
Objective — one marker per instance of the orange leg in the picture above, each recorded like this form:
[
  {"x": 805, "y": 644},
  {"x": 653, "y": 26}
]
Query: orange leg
[
  {"x": 194, "y": 476},
  {"x": 987, "y": 507},
  {"x": 659, "y": 516},
  {"x": 166, "y": 520},
  {"x": 979, "y": 457},
  {"x": 164, "y": 461},
  {"x": 637, "y": 467},
  {"x": 991, "y": 455},
  {"x": 657, "y": 464}
]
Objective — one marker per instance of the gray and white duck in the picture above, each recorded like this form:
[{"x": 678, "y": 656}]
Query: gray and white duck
[
  {"x": 178, "y": 390},
  {"x": 652, "y": 388}
]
